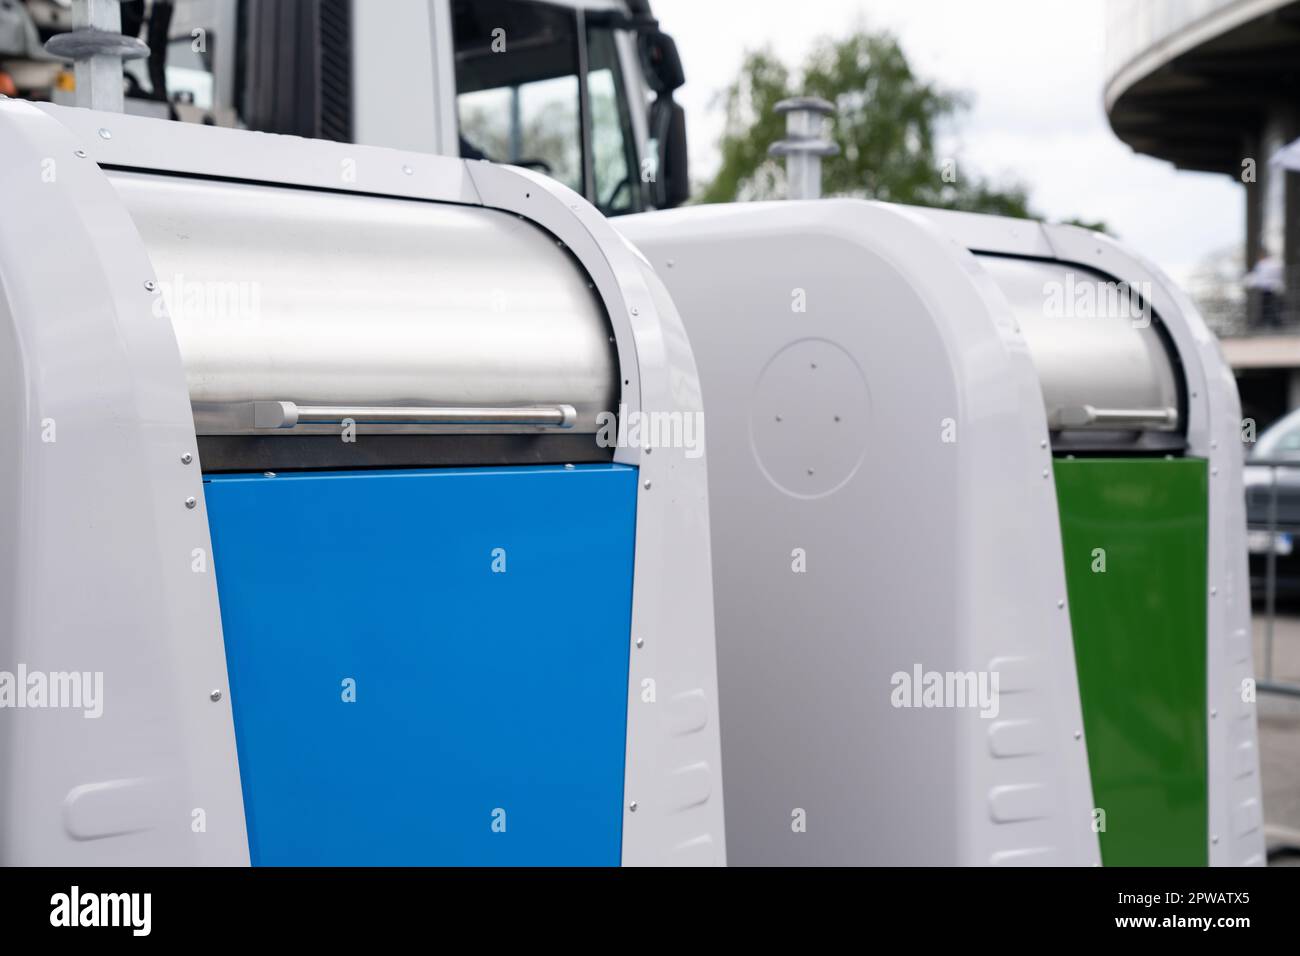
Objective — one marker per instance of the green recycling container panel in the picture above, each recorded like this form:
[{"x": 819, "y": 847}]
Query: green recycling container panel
[{"x": 1134, "y": 532}]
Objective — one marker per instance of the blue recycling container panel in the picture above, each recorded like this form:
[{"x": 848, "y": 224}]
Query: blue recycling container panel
[{"x": 428, "y": 666}]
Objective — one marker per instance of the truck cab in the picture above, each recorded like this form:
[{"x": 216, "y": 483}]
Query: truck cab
[{"x": 581, "y": 90}]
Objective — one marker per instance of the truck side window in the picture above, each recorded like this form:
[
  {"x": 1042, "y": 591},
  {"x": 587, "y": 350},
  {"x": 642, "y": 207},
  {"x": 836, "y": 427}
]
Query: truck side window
[
  {"x": 618, "y": 185},
  {"x": 517, "y": 86}
]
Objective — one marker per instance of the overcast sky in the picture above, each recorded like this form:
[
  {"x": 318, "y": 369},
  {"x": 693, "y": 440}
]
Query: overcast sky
[{"x": 1034, "y": 70}]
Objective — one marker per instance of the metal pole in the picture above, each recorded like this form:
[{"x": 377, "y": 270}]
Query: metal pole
[
  {"x": 516, "y": 127},
  {"x": 585, "y": 123},
  {"x": 1284, "y": 690},
  {"x": 806, "y": 142},
  {"x": 1270, "y": 580},
  {"x": 98, "y": 49}
]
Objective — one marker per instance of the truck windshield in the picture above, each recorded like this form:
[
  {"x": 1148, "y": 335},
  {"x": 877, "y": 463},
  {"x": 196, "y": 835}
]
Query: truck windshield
[{"x": 520, "y": 99}]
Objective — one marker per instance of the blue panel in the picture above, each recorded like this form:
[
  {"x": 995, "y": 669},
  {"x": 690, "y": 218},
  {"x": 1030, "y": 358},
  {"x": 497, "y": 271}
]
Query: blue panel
[{"x": 475, "y": 690}]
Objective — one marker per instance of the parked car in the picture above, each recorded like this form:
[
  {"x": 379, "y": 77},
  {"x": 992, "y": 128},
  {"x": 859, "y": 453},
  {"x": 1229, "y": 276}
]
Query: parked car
[{"x": 1275, "y": 457}]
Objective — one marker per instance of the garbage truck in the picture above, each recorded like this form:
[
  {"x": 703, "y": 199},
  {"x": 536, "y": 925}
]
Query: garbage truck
[{"x": 581, "y": 90}]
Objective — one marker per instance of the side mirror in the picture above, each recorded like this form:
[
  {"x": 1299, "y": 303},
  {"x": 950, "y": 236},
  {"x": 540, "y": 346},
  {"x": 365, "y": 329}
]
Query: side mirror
[
  {"x": 660, "y": 62},
  {"x": 672, "y": 185},
  {"x": 662, "y": 68}
]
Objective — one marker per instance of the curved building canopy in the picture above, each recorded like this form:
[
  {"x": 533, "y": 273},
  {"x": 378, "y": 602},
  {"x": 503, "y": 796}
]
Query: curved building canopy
[{"x": 1191, "y": 81}]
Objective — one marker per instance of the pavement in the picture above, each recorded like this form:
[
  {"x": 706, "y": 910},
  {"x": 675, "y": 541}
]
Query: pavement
[{"x": 1279, "y": 734}]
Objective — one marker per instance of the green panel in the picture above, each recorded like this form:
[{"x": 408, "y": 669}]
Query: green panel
[{"x": 1139, "y": 640}]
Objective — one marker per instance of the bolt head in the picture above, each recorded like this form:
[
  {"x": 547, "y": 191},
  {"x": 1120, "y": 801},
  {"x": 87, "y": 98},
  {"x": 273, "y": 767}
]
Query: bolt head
[
  {"x": 646, "y": 485},
  {"x": 632, "y": 806},
  {"x": 186, "y": 458},
  {"x": 191, "y": 503},
  {"x": 640, "y": 642},
  {"x": 80, "y": 154},
  {"x": 215, "y": 696},
  {"x": 105, "y": 133},
  {"x": 408, "y": 170},
  {"x": 150, "y": 285}
]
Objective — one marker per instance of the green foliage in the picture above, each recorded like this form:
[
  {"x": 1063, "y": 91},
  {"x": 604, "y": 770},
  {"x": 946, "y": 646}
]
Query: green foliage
[
  {"x": 885, "y": 123},
  {"x": 1095, "y": 225},
  {"x": 752, "y": 125}
]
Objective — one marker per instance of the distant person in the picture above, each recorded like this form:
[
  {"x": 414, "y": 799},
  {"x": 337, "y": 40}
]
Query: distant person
[{"x": 1269, "y": 279}]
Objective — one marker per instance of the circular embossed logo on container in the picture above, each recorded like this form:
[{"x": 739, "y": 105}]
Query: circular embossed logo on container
[{"x": 809, "y": 420}]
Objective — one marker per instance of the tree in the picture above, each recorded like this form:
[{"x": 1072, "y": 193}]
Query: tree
[{"x": 885, "y": 123}]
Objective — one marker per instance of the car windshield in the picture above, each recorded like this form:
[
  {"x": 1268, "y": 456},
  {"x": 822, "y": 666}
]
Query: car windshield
[{"x": 1280, "y": 440}]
